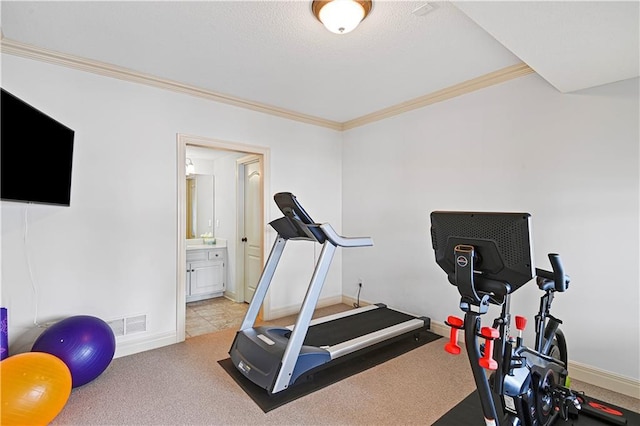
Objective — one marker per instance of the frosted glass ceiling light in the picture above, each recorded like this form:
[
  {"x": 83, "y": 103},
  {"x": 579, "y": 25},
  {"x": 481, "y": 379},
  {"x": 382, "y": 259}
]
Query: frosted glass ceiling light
[{"x": 341, "y": 16}]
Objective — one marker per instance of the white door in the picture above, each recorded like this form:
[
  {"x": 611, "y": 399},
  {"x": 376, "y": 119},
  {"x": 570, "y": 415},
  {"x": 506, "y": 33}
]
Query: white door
[{"x": 252, "y": 238}]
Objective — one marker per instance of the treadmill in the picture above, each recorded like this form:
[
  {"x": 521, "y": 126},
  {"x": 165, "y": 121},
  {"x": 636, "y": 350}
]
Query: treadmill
[{"x": 276, "y": 358}]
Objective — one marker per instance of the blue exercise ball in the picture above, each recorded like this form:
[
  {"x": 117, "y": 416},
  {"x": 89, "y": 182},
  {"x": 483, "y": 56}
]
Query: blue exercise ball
[{"x": 85, "y": 343}]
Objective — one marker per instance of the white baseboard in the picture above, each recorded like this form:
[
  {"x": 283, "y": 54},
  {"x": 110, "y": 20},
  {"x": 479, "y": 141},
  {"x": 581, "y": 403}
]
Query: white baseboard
[
  {"x": 443, "y": 330},
  {"x": 294, "y": 309},
  {"x": 130, "y": 347},
  {"x": 231, "y": 296},
  {"x": 351, "y": 301},
  {"x": 578, "y": 371},
  {"x": 604, "y": 379}
]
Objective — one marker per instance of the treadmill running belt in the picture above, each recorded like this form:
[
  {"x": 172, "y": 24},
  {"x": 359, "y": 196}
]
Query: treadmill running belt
[{"x": 342, "y": 329}]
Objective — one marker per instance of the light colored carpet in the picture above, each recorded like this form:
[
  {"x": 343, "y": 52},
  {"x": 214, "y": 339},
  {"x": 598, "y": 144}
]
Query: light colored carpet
[{"x": 183, "y": 384}]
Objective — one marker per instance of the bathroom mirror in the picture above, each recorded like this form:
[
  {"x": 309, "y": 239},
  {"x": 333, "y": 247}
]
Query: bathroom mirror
[{"x": 200, "y": 205}]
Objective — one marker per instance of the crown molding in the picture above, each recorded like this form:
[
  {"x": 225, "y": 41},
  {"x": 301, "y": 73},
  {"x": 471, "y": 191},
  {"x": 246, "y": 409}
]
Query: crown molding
[
  {"x": 456, "y": 90},
  {"x": 24, "y": 50},
  {"x": 13, "y": 47}
]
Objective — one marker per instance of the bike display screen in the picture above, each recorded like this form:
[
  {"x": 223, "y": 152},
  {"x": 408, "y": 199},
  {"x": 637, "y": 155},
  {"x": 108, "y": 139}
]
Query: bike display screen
[{"x": 502, "y": 244}]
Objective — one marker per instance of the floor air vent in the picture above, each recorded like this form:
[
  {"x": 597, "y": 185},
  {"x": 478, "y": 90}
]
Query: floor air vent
[
  {"x": 136, "y": 324},
  {"x": 117, "y": 326},
  {"x": 130, "y": 325}
]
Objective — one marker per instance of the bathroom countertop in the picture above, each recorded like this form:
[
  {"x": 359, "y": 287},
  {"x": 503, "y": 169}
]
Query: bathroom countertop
[{"x": 195, "y": 245}]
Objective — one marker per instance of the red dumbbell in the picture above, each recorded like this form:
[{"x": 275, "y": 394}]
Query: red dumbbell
[
  {"x": 456, "y": 324},
  {"x": 489, "y": 334}
]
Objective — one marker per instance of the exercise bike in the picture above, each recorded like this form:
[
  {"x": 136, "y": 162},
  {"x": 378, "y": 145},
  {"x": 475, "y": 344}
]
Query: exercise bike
[{"x": 488, "y": 256}]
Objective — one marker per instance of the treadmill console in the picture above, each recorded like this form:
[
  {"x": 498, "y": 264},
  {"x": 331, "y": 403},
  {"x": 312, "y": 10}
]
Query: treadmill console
[{"x": 296, "y": 223}]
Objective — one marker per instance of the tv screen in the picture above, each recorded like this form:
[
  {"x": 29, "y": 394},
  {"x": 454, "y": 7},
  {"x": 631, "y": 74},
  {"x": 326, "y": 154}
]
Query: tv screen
[{"x": 36, "y": 154}]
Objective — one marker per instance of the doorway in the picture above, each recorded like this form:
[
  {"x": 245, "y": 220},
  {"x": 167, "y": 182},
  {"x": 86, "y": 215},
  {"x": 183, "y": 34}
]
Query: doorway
[{"x": 236, "y": 270}]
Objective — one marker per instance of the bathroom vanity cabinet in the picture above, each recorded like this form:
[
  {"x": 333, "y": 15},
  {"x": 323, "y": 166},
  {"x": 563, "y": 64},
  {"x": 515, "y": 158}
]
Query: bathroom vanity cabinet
[{"x": 206, "y": 274}]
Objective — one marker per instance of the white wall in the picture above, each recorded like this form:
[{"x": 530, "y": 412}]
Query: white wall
[
  {"x": 571, "y": 160},
  {"x": 112, "y": 253}
]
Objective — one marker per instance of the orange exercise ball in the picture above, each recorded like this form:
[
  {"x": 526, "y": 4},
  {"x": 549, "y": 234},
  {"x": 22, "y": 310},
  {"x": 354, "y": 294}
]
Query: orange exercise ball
[{"x": 35, "y": 387}]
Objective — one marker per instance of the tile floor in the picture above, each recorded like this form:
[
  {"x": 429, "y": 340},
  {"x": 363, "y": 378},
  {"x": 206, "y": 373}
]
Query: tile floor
[
  {"x": 207, "y": 316},
  {"x": 219, "y": 313}
]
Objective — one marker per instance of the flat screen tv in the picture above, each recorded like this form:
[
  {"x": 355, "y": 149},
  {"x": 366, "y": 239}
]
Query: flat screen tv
[{"x": 36, "y": 154}]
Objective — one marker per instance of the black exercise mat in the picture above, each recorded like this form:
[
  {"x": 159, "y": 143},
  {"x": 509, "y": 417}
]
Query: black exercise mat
[
  {"x": 326, "y": 377},
  {"x": 469, "y": 413}
]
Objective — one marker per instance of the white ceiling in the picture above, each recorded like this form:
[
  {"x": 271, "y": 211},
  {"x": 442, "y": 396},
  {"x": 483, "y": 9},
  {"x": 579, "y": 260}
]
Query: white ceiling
[{"x": 277, "y": 54}]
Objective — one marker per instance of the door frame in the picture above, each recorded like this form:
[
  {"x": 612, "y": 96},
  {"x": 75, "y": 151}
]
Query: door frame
[{"x": 182, "y": 140}]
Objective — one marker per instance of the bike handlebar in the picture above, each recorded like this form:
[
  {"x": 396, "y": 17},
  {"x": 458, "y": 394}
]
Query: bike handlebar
[{"x": 560, "y": 280}]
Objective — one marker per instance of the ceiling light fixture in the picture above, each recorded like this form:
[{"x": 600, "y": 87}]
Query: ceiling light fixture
[{"x": 341, "y": 16}]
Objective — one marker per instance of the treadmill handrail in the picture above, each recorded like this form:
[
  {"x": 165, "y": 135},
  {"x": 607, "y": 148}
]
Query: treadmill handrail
[{"x": 338, "y": 240}]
